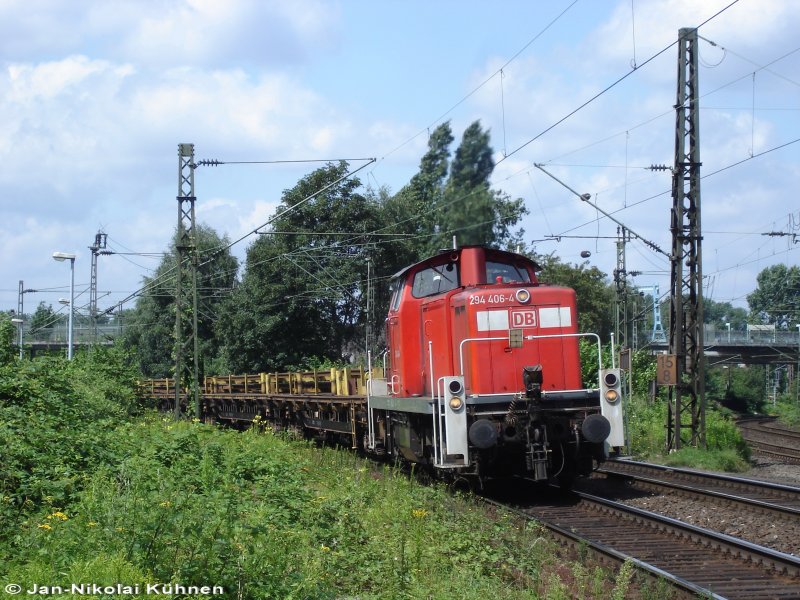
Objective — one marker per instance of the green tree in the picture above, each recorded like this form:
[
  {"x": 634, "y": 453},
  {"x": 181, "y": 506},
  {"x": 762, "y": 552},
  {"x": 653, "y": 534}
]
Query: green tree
[
  {"x": 724, "y": 314},
  {"x": 150, "y": 328},
  {"x": 776, "y": 300},
  {"x": 470, "y": 208},
  {"x": 595, "y": 293},
  {"x": 43, "y": 318},
  {"x": 719, "y": 313},
  {"x": 302, "y": 292},
  {"x": 737, "y": 388},
  {"x": 447, "y": 198},
  {"x": 7, "y": 334}
]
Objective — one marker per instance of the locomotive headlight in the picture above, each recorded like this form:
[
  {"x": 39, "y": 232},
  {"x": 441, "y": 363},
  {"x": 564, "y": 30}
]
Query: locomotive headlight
[
  {"x": 523, "y": 296},
  {"x": 610, "y": 386},
  {"x": 456, "y": 403}
]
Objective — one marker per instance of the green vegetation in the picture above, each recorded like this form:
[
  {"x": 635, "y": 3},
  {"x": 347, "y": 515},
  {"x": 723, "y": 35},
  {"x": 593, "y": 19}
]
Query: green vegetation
[
  {"x": 787, "y": 411},
  {"x": 726, "y": 449},
  {"x": 646, "y": 421},
  {"x": 594, "y": 293},
  {"x": 95, "y": 492},
  {"x": 296, "y": 299},
  {"x": 787, "y": 405},
  {"x": 646, "y": 418},
  {"x": 776, "y": 299},
  {"x": 150, "y": 327}
]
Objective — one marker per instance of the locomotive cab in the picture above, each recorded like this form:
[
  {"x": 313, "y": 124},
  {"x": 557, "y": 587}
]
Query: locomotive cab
[{"x": 484, "y": 374}]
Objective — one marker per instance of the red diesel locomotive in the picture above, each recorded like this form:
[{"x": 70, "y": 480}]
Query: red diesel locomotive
[
  {"x": 481, "y": 378},
  {"x": 483, "y": 375}
]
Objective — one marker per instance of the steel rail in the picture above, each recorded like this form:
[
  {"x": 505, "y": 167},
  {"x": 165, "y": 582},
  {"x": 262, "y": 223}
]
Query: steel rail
[
  {"x": 693, "y": 559},
  {"x": 763, "y": 495},
  {"x": 779, "y": 562},
  {"x": 609, "y": 554}
]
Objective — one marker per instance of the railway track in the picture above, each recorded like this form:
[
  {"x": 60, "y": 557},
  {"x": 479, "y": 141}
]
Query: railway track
[
  {"x": 696, "y": 561},
  {"x": 769, "y": 438},
  {"x": 763, "y": 513},
  {"x": 752, "y": 495}
]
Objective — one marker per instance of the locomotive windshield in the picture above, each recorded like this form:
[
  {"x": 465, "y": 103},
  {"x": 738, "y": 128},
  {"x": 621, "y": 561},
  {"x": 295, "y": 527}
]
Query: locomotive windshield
[
  {"x": 509, "y": 273},
  {"x": 435, "y": 280}
]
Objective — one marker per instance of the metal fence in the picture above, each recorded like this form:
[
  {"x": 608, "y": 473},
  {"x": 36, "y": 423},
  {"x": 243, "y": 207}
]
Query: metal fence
[
  {"x": 81, "y": 334},
  {"x": 751, "y": 337}
]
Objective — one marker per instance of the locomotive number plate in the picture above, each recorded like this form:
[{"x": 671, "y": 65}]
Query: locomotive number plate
[{"x": 491, "y": 298}]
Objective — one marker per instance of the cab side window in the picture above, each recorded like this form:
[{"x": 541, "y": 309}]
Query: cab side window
[
  {"x": 435, "y": 280},
  {"x": 397, "y": 293}
]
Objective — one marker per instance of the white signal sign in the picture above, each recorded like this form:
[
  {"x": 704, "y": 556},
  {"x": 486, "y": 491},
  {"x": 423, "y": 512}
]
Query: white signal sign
[{"x": 523, "y": 318}]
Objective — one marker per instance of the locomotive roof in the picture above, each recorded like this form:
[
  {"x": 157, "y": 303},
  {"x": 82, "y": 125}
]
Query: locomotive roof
[{"x": 493, "y": 251}]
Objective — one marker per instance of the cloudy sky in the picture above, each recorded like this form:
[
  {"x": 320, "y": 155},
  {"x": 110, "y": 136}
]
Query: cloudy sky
[{"x": 96, "y": 95}]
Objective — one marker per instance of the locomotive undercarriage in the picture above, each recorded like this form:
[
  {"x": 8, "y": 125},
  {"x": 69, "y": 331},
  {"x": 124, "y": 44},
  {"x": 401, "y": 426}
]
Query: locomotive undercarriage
[{"x": 541, "y": 444}]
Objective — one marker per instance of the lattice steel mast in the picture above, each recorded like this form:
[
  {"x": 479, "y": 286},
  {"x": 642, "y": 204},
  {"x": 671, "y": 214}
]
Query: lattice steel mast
[
  {"x": 186, "y": 342},
  {"x": 20, "y": 315},
  {"x": 621, "y": 324},
  {"x": 100, "y": 239},
  {"x": 687, "y": 398}
]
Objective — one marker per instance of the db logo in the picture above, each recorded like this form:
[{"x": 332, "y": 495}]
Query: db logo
[{"x": 523, "y": 318}]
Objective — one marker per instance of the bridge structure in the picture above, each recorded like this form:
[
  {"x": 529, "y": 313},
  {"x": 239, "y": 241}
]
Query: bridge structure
[
  {"x": 54, "y": 339},
  {"x": 756, "y": 346}
]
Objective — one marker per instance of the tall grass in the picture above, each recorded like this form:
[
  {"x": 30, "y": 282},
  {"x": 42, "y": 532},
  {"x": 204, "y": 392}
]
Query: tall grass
[
  {"x": 92, "y": 493},
  {"x": 725, "y": 450}
]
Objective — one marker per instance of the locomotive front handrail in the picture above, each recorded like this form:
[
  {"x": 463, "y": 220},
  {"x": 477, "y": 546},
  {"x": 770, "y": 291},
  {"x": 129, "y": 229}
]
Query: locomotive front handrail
[
  {"x": 430, "y": 360},
  {"x": 534, "y": 337},
  {"x": 370, "y": 430},
  {"x": 437, "y": 425}
]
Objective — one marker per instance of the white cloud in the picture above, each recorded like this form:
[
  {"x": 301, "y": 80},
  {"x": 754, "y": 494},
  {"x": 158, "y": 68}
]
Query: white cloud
[
  {"x": 654, "y": 25},
  {"x": 259, "y": 214},
  {"x": 169, "y": 33}
]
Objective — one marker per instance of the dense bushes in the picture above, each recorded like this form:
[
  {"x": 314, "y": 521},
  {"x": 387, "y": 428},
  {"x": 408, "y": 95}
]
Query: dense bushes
[
  {"x": 726, "y": 449},
  {"x": 56, "y": 421}
]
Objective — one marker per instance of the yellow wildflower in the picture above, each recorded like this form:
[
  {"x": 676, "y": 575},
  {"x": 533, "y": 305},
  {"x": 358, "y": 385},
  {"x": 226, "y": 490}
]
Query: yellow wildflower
[
  {"x": 91, "y": 524},
  {"x": 419, "y": 513},
  {"x": 325, "y": 548},
  {"x": 58, "y": 515},
  {"x": 45, "y": 526},
  {"x": 165, "y": 504}
]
